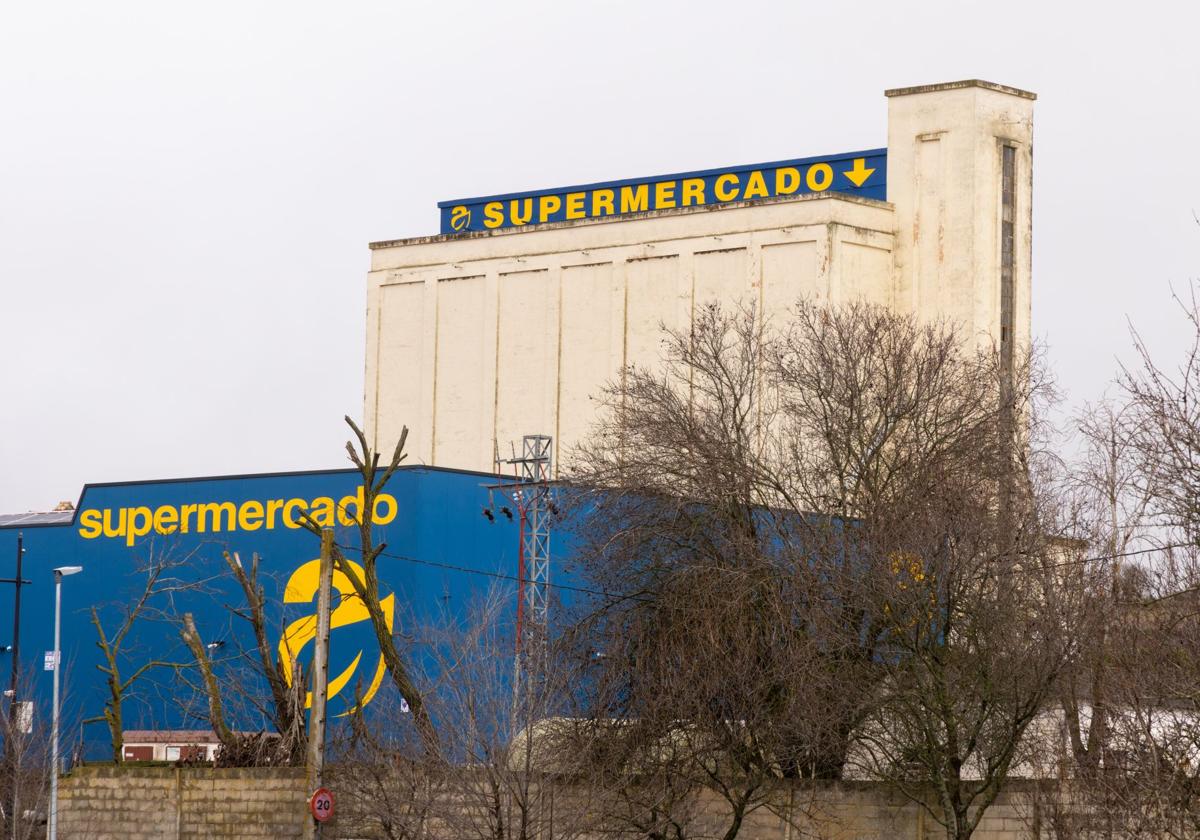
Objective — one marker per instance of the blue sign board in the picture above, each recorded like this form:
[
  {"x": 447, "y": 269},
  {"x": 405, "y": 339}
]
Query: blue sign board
[
  {"x": 441, "y": 553},
  {"x": 855, "y": 173}
]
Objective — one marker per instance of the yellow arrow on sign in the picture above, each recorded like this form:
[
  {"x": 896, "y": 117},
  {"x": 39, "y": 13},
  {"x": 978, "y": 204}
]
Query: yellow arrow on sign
[{"x": 859, "y": 173}]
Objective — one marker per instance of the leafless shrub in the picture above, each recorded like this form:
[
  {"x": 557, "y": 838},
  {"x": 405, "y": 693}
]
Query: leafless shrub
[
  {"x": 825, "y": 542},
  {"x": 505, "y": 769},
  {"x": 24, "y": 769},
  {"x": 159, "y": 584}
]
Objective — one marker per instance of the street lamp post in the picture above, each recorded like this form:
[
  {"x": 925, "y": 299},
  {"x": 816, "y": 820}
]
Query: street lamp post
[
  {"x": 12, "y": 753},
  {"x": 59, "y": 574}
]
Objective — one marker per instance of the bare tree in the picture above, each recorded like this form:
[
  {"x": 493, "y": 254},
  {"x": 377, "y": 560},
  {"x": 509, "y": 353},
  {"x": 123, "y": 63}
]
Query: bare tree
[
  {"x": 849, "y": 499},
  {"x": 700, "y": 706},
  {"x": 212, "y": 687},
  {"x": 981, "y": 632},
  {"x": 159, "y": 584},
  {"x": 982, "y": 618},
  {"x": 366, "y": 584},
  {"x": 690, "y": 480},
  {"x": 507, "y": 769},
  {"x": 287, "y": 690},
  {"x": 387, "y": 782},
  {"x": 26, "y": 741},
  {"x": 1130, "y": 706},
  {"x": 1106, "y": 511},
  {"x": 1165, "y": 412},
  {"x": 1137, "y": 767}
]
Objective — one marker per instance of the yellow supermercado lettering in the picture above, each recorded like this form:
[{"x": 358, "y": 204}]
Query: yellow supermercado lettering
[
  {"x": 787, "y": 180},
  {"x": 575, "y": 205},
  {"x": 137, "y": 521},
  {"x": 602, "y": 202},
  {"x": 666, "y": 192},
  {"x": 756, "y": 186},
  {"x": 520, "y": 211},
  {"x": 89, "y": 524},
  {"x": 493, "y": 214},
  {"x": 634, "y": 199},
  {"x": 211, "y": 512},
  {"x": 722, "y": 189},
  {"x": 693, "y": 191},
  {"x": 548, "y": 205},
  {"x": 250, "y": 516},
  {"x": 165, "y": 518},
  {"x": 292, "y": 505},
  {"x": 117, "y": 530},
  {"x": 664, "y": 195},
  {"x": 140, "y": 522},
  {"x": 819, "y": 177}
]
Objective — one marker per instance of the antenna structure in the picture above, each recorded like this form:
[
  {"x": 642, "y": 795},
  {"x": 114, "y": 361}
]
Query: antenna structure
[{"x": 531, "y": 497}]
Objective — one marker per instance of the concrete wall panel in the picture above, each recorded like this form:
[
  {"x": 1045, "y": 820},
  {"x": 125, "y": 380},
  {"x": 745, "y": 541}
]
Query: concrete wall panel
[
  {"x": 655, "y": 292},
  {"x": 402, "y": 378},
  {"x": 592, "y": 348},
  {"x": 722, "y": 276},
  {"x": 527, "y": 355},
  {"x": 790, "y": 271},
  {"x": 461, "y": 392}
]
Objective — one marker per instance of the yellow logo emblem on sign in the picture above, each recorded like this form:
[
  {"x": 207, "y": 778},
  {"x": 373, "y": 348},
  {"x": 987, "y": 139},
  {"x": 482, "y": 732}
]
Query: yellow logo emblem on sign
[
  {"x": 460, "y": 217},
  {"x": 300, "y": 589}
]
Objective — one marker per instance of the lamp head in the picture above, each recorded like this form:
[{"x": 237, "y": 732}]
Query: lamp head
[{"x": 63, "y": 571}]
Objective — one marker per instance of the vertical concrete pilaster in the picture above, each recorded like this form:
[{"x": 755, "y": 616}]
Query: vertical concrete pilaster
[{"x": 945, "y": 153}]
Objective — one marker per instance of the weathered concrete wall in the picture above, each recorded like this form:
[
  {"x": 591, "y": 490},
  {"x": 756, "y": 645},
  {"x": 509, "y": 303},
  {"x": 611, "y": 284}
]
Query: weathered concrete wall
[
  {"x": 166, "y": 803},
  {"x": 475, "y": 340},
  {"x": 821, "y": 811}
]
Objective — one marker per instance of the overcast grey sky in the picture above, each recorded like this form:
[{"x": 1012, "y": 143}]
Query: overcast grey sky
[{"x": 187, "y": 191}]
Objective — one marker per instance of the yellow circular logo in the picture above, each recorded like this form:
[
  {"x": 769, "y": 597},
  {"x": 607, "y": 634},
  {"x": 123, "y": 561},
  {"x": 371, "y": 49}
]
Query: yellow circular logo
[
  {"x": 460, "y": 217},
  {"x": 300, "y": 589}
]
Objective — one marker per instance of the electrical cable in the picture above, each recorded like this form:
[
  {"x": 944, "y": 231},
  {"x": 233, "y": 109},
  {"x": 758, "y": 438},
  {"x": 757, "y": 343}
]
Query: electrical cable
[
  {"x": 499, "y": 575},
  {"x": 620, "y": 597}
]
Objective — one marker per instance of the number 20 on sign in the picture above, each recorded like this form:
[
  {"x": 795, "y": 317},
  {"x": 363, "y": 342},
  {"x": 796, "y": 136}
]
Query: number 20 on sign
[{"x": 321, "y": 805}]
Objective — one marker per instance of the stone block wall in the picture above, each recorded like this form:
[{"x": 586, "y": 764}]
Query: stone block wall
[
  {"x": 181, "y": 803},
  {"x": 169, "y": 803}
]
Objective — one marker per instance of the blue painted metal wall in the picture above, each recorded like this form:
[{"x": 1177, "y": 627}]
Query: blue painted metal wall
[{"x": 441, "y": 551}]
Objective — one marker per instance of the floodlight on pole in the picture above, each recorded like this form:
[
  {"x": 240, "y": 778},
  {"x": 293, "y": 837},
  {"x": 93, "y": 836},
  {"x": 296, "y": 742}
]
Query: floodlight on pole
[{"x": 59, "y": 574}]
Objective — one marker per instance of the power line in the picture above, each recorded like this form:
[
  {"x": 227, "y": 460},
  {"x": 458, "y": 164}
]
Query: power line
[
  {"x": 1078, "y": 561},
  {"x": 500, "y": 575}
]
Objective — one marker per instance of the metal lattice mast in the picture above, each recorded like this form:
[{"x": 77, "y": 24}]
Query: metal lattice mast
[{"x": 534, "y": 466}]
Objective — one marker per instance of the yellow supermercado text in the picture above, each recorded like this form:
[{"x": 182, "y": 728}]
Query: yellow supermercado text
[
  {"x": 660, "y": 195},
  {"x": 214, "y": 517}
]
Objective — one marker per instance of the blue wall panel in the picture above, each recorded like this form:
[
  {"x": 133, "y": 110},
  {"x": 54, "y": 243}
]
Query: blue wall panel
[{"x": 437, "y": 525}]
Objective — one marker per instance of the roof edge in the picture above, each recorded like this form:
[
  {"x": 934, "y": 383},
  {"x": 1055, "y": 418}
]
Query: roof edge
[
  {"x": 964, "y": 83},
  {"x": 626, "y": 217},
  {"x": 56, "y": 523}
]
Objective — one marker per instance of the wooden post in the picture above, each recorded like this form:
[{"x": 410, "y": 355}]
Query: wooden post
[{"x": 315, "y": 766}]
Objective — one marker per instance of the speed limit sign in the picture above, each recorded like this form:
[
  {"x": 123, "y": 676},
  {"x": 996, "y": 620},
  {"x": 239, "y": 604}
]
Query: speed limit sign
[{"x": 321, "y": 805}]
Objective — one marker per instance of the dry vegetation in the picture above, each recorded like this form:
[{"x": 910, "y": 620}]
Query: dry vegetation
[{"x": 842, "y": 547}]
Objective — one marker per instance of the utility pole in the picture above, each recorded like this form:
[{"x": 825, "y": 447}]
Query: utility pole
[
  {"x": 315, "y": 765},
  {"x": 12, "y": 753},
  {"x": 52, "y": 815},
  {"x": 531, "y": 496}
]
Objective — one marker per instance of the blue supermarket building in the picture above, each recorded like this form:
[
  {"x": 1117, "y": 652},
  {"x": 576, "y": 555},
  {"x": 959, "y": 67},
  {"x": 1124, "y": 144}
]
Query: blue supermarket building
[{"x": 442, "y": 552}]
